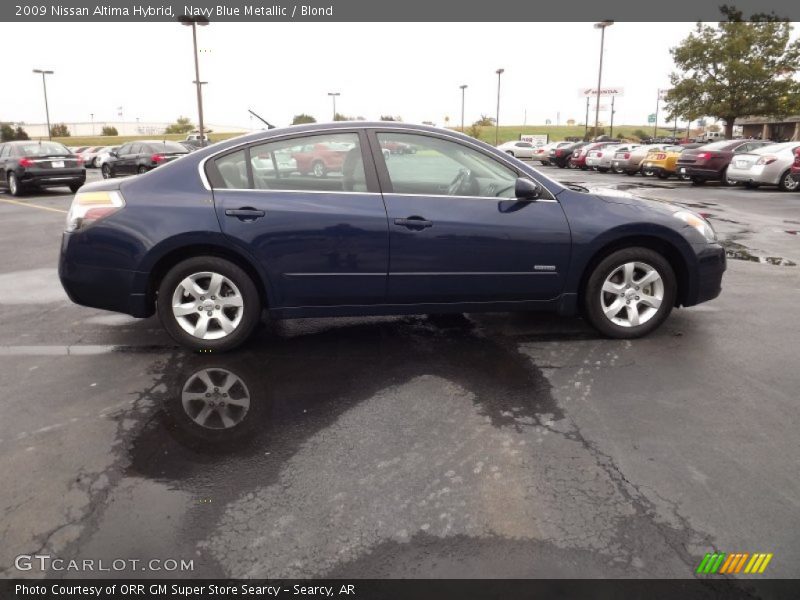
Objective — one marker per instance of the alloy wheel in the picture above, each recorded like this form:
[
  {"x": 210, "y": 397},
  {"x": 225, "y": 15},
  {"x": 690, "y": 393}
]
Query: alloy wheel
[
  {"x": 207, "y": 305},
  {"x": 790, "y": 184},
  {"x": 632, "y": 294},
  {"x": 215, "y": 398},
  {"x": 13, "y": 186}
]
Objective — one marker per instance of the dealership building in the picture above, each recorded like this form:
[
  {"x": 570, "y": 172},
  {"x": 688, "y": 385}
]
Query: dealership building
[{"x": 770, "y": 128}]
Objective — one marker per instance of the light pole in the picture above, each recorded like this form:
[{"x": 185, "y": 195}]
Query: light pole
[
  {"x": 46, "y": 108},
  {"x": 655, "y": 125},
  {"x": 497, "y": 117},
  {"x": 193, "y": 22},
  {"x": 602, "y": 27},
  {"x": 91, "y": 116},
  {"x": 463, "y": 87},
  {"x": 333, "y": 96}
]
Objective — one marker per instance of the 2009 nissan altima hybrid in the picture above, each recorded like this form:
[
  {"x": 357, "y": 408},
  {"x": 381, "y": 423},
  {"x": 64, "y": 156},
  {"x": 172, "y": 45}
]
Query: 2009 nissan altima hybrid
[{"x": 317, "y": 221}]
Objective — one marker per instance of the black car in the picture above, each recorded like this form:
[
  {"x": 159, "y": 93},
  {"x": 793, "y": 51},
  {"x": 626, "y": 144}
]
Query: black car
[
  {"x": 141, "y": 156},
  {"x": 560, "y": 156},
  {"x": 36, "y": 164}
]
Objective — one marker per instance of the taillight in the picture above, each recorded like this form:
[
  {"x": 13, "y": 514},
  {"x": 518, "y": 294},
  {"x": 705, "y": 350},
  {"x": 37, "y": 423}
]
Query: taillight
[
  {"x": 705, "y": 155},
  {"x": 766, "y": 160},
  {"x": 79, "y": 159},
  {"x": 157, "y": 158},
  {"x": 559, "y": 152},
  {"x": 626, "y": 155},
  {"x": 25, "y": 162},
  {"x": 797, "y": 159},
  {"x": 88, "y": 207}
]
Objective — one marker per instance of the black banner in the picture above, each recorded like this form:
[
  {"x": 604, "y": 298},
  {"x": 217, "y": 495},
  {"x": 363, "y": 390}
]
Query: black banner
[
  {"x": 403, "y": 589},
  {"x": 388, "y": 10}
]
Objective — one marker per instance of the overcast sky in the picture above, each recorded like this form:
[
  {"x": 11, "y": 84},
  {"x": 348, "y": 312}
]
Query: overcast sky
[{"x": 280, "y": 69}]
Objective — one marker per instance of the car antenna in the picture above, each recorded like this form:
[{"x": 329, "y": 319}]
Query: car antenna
[{"x": 268, "y": 124}]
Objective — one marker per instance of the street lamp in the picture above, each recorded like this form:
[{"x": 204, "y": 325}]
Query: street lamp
[
  {"x": 91, "y": 116},
  {"x": 602, "y": 27},
  {"x": 193, "y": 22},
  {"x": 46, "y": 108},
  {"x": 497, "y": 117},
  {"x": 333, "y": 97},
  {"x": 463, "y": 87}
]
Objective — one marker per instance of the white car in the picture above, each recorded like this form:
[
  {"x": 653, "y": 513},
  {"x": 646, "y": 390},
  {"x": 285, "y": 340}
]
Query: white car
[
  {"x": 768, "y": 165},
  {"x": 89, "y": 156},
  {"x": 103, "y": 155},
  {"x": 601, "y": 158},
  {"x": 518, "y": 149},
  {"x": 542, "y": 153}
]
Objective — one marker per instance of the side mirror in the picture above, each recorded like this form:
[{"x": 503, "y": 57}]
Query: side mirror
[
  {"x": 113, "y": 153},
  {"x": 525, "y": 189}
]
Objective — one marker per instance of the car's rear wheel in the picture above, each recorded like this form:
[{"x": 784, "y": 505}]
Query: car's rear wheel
[
  {"x": 630, "y": 293},
  {"x": 208, "y": 303},
  {"x": 14, "y": 186},
  {"x": 142, "y": 170},
  {"x": 725, "y": 179},
  {"x": 318, "y": 168},
  {"x": 788, "y": 183},
  {"x": 94, "y": 162},
  {"x": 107, "y": 172}
]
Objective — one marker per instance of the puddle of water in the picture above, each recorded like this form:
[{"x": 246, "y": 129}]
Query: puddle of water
[
  {"x": 791, "y": 231},
  {"x": 738, "y": 251}
]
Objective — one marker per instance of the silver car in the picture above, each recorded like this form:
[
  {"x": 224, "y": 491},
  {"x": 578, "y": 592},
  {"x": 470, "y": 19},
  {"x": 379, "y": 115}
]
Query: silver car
[
  {"x": 769, "y": 165},
  {"x": 601, "y": 158},
  {"x": 630, "y": 161}
]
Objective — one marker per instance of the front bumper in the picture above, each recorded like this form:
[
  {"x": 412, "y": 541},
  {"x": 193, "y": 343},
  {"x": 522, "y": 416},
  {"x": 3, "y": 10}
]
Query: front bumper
[{"x": 707, "y": 281}]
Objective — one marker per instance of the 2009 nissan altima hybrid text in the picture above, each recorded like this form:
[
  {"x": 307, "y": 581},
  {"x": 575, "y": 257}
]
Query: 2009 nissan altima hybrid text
[{"x": 327, "y": 220}]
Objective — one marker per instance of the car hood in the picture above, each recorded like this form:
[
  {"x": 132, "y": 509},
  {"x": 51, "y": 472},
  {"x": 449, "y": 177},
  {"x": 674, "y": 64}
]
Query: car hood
[{"x": 617, "y": 196}]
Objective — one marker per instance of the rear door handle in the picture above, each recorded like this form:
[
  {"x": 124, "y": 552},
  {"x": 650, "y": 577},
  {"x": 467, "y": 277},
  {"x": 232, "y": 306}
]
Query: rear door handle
[
  {"x": 245, "y": 214},
  {"x": 414, "y": 223}
]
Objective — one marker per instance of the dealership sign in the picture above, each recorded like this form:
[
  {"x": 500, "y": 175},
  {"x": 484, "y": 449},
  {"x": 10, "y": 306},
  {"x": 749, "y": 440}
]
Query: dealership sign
[
  {"x": 537, "y": 139},
  {"x": 606, "y": 91}
]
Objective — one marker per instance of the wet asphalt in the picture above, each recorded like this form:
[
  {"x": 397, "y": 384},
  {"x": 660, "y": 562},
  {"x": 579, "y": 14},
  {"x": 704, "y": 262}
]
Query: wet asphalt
[{"x": 500, "y": 445}]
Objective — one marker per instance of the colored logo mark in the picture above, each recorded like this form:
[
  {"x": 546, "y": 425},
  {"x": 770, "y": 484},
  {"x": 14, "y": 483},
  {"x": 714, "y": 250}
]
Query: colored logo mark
[{"x": 735, "y": 562}]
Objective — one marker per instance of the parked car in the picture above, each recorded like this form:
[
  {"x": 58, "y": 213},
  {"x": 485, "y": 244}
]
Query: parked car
[
  {"x": 398, "y": 148},
  {"x": 195, "y": 141},
  {"x": 31, "y": 164},
  {"x": 768, "y": 165},
  {"x": 104, "y": 154},
  {"x": 630, "y": 161},
  {"x": 578, "y": 158},
  {"x": 89, "y": 155},
  {"x": 662, "y": 162},
  {"x": 208, "y": 246},
  {"x": 519, "y": 149},
  {"x": 710, "y": 162},
  {"x": 795, "y": 170},
  {"x": 601, "y": 158},
  {"x": 560, "y": 156},
  {"x": 140, "y": 157},
  {"x": 321, "y": 158},
  {"x": 542, "y": 153},
  {"x": 712, "y": 136}
]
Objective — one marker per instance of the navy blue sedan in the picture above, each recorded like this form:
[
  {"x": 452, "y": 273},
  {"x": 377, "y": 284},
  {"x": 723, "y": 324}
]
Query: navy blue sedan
[{"x": 320, "y": 220}]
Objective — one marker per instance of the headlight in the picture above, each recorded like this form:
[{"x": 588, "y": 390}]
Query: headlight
[
  {"x": 88, "y": 207},
  {"x": 698, "y": 222}
]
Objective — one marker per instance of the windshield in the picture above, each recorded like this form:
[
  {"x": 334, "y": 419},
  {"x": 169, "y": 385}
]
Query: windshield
[{"x": 43, "y": 149}]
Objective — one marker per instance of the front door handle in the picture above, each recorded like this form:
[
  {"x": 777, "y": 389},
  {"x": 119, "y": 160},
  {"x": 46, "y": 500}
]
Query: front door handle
[
  {"x": 245, "y": 214},
  {"x": 414, "y": 223}
]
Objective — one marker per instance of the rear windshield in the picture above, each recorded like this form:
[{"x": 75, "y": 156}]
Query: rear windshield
[
  {"x": 43, "y": 149},
  {"x": 717, "y": 145},
  {"x": 167, "y": 147}
]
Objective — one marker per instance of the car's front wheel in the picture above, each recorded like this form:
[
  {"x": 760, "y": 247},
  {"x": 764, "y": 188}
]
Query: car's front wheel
[
  {"x": 208, "y": 303},
  {"x": 788, "y": 183},
  {"x": 630, "y": 293},
  {"x": 107, "y": 172}
]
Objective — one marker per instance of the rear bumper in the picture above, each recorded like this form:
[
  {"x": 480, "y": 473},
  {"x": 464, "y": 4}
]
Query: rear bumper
[
  {"x": 699, "y": 172},
  {"x": 52, "y": 177},
  {"x": 117, "y": 290}
]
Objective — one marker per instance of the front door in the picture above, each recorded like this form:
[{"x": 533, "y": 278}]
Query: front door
[
  {"x": 320, "y": 234},
  {"x": 458, "y": 234}
]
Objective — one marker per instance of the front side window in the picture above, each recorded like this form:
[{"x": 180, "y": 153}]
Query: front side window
[
  {"x": 318, "y": 163},
  {"x": 438, "y": 167}
]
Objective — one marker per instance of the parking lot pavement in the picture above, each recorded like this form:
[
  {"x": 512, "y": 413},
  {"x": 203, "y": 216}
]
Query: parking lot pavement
[{"x": 502, "y": 445}]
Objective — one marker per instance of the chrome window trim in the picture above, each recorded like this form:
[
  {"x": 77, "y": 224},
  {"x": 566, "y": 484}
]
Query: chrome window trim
[
  {"x": 494, "y": 198},
  {"x": 202, "y": 164}
]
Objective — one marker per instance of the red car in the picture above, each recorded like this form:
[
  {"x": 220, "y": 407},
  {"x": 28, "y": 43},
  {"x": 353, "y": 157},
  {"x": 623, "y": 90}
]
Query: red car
[
  {"x": 710, "y": 162},
  {"x": 320, "y": 159},
  {"x": 796, "y": 165},
  {"x": 578, "y": 158}
]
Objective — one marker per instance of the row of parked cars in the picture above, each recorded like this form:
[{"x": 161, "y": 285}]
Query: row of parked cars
[{"x": 749, "y": 162}]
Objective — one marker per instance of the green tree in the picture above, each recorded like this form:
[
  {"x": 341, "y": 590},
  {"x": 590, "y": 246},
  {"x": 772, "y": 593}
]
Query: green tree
[
  {"x": 485, "y": 121},
  {"x": 736, "y": 68},
  {"x": 20, "y": 134},
  {"x": 6, "y": 133},
  {"x": 303, "y": 118},
  {"x": 641, "y": 134},
  {"x": 397, "y": 118},
  {"x": 109, "y": 130},
  {"x": 181, "y": 125},
  {"x": 474, "y": 130},
  {"x": 340, "y": 117},
  {"x": 60, "y": 130}
]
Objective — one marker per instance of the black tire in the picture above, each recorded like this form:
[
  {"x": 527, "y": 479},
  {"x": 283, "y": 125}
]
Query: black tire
[
  {"x": 723, "y": 178},
  {"x": 752, "y": 186},
  {"x": 602, "y": 170},
  {"x": 698, "y": 181},
  {"x": 318, "y": 169},
  {"x": 251, "y": 303},
  {"x": 15, "y": 188},
  {"x": 592, "y": 295},
  {"x": 788, "y": 183},
  {"x": 74, "y": 187},
  {"x": 94, "y": 163},
  {"x": 142, "y": 170},
  {"x": 107, "y": 172}
]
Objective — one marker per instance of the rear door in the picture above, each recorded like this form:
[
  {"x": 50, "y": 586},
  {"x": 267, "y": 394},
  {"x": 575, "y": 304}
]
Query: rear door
[
  {"x": 321, "y": 239},
  {"x": 458, "y": 234}
]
